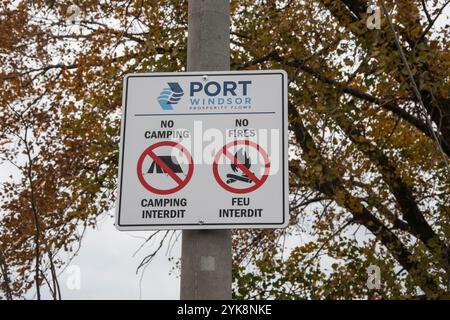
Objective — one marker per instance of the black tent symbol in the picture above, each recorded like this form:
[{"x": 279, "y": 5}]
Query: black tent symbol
[{"x": 169, "y": 161}]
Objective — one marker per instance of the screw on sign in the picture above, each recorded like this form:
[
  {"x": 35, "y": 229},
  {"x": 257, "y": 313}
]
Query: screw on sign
[
  {"x": 241, "y": 178},
  {"x": 161, "y": 172}
]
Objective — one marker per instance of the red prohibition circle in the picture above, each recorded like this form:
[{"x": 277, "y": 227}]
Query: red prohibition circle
[
  {"x": 149, "y": 152},
  {"x": 257, "y": 182}
]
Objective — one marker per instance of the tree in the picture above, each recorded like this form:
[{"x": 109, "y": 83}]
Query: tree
[
  {"x": 369, "y": 175},
  {"x": 365, "y": 150}
]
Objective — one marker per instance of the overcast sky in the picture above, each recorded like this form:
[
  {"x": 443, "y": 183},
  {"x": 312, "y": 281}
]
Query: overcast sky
[
  {"x": 108, "y": 268},
  {"x": 106, "y": 263}
]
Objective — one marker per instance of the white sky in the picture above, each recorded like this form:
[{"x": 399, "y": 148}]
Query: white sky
[
  {"x": 106, "y": 263},
  {"x": 108, "y": 269}
]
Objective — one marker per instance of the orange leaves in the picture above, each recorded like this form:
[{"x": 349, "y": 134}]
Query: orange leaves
[
  {"x": 61, "y": 84},
  {"x": 61, "y": 88}
]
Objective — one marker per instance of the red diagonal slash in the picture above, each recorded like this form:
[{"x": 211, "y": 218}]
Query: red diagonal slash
[
  {"x": 165, "y": 167},
  {"x": 243, "y": 168}
]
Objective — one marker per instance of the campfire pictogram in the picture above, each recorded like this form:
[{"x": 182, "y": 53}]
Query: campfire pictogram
[{"x": 241, "y": 157}]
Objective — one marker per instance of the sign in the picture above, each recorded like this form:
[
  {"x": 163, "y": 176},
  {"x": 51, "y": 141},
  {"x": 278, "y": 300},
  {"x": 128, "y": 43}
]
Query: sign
[
  {"x": 204, "y": 150},
  {"x": 164, "y": 162},
  {"x": 240, "y": 162}
]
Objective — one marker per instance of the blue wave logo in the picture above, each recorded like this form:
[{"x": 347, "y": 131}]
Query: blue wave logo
[{"x": 170, "y": 96}]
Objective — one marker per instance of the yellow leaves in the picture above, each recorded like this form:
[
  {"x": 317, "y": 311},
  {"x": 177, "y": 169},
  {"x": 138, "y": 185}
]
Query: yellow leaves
[
  {"x": 317, "y": 168},
  {"x": 312, "y": 153},
  {"x": 348, "y": 62},
  {"x": 77, "y": 131}
]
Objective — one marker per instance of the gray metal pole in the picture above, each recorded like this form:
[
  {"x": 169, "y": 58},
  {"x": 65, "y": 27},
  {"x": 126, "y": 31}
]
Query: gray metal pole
[{"x": 206, "y": 254}]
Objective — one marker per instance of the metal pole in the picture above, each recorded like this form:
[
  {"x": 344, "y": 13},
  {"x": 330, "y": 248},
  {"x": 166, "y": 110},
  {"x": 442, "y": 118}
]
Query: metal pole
[{"x": 206, "y": 254}]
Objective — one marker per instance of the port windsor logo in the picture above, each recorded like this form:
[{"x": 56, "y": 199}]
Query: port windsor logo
[
  {"x": 170, "y": 96},
  {"x": 215, "y": 95},
  {"x": 210, "y": 95}
]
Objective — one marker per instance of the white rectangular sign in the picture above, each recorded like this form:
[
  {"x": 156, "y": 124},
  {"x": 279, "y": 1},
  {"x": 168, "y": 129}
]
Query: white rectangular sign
[{"x": 204, "y": 150}]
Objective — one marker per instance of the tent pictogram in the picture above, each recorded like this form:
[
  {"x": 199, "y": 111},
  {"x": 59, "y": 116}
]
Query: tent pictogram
[
  {"x": 170, "y": 161},
  {"x": 162, "y": 162}
]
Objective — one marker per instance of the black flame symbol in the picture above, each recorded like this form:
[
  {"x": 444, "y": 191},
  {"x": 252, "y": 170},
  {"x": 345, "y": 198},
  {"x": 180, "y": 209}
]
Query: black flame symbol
[{"x": 241, "y": 157}]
